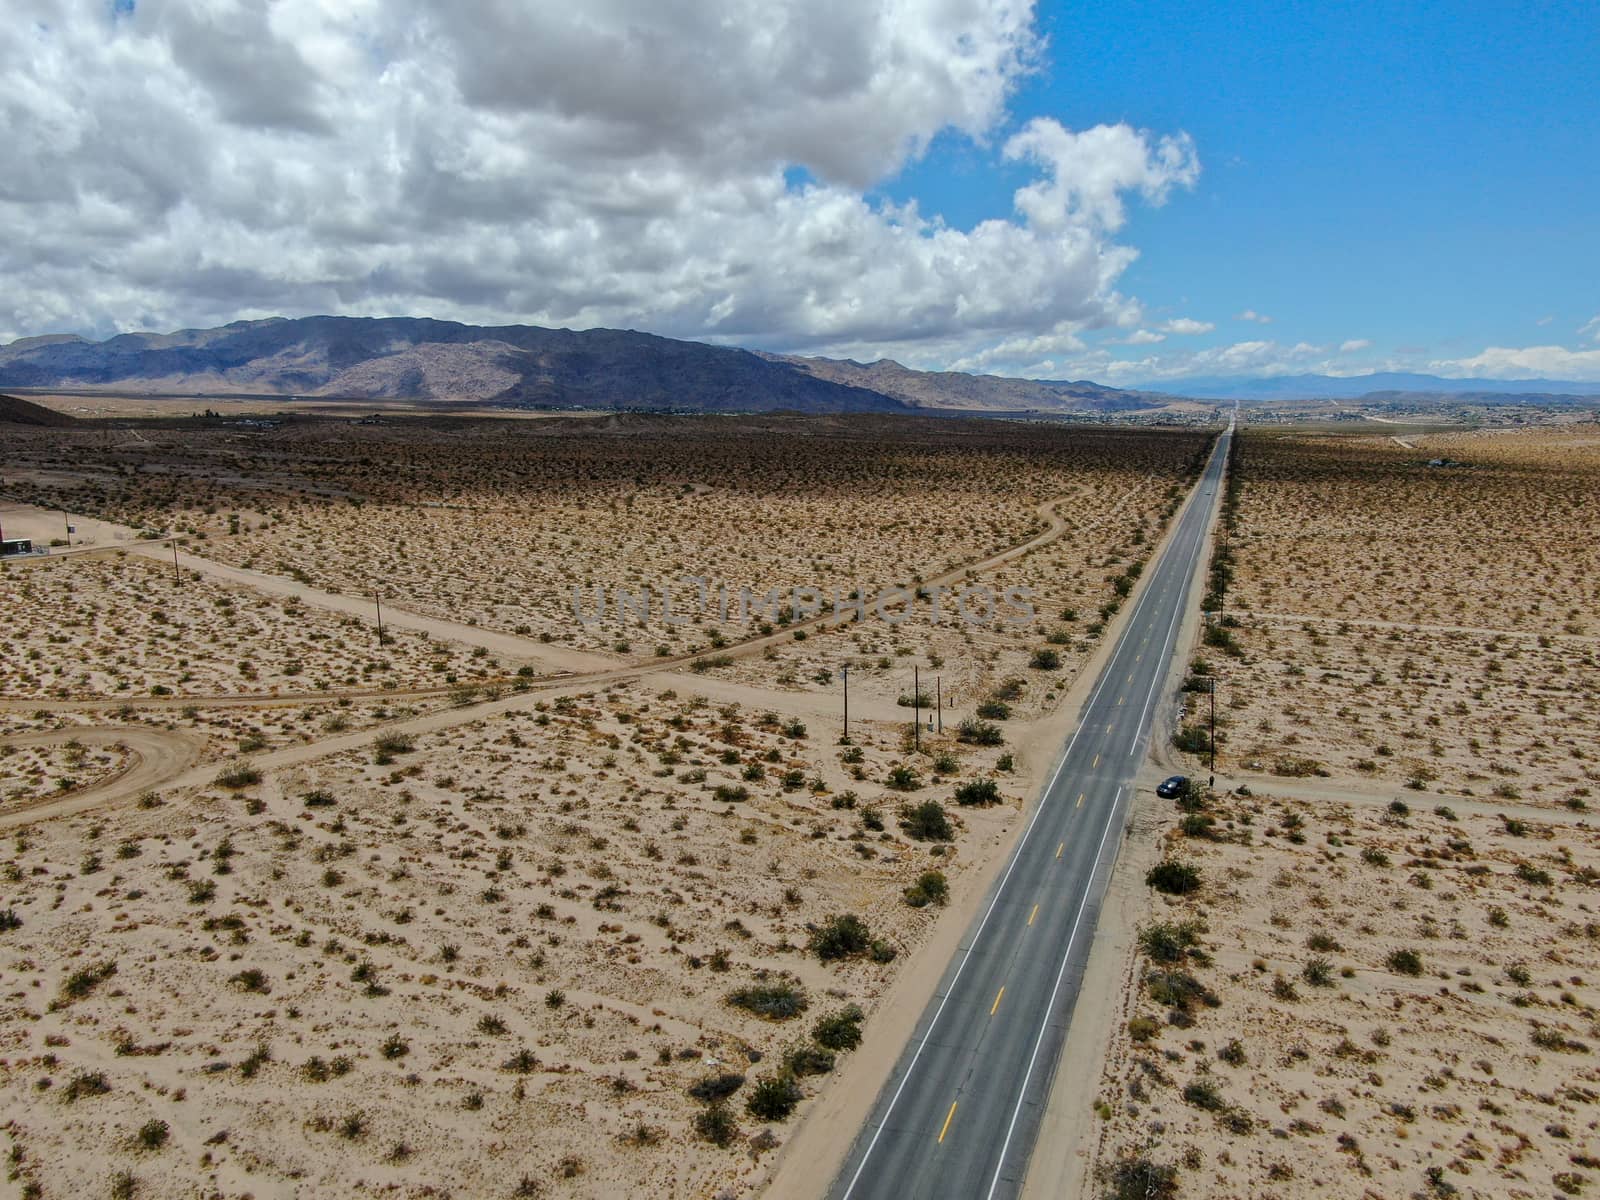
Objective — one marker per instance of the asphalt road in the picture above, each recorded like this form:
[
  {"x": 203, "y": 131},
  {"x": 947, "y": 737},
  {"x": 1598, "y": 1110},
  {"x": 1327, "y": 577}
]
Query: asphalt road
[{"x": 959, "y": 1115}]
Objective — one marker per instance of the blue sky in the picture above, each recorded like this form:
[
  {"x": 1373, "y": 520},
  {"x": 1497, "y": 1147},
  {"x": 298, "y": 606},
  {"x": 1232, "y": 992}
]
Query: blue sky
[{"x": 1425, "y": 177}]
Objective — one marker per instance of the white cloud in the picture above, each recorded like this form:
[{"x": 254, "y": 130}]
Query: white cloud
[
  {"x": 1590, "y": 329},
  {"x": 1186, "y": 326},
  {"x": 1529, "y": 362},
  {"x": 619, "y": 162},
  {"x": 1140, "y": 337},
  {"x": 1251, "y": 314},
  {"x": 1354, "y": 344}
]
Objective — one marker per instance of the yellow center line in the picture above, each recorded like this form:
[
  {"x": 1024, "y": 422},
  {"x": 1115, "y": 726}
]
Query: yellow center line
[
  {"x": 1033, "y": 914},
  {"x": 1060, "y": 848},
  {"x": 995, "y": 1007},
  {"x": 1080, "y": 800},
  {"x": 947, "y": 1119}
]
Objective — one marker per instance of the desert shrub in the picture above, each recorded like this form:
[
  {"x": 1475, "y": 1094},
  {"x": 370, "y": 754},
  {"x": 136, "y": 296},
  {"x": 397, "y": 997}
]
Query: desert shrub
[
  {"x": 1203, "y": 1093},
  {"x": 84, "y": 980},
  {"x": 930, "y": 888},
  {"x": 84, "y": 1084},
  {"x": 318, "y": 798},
  {"x": 387, "y": 745},
  {"x": 903, "y": 779},
  {"x": 1290, "y": 767},
  {"x": 1142, "y": 1029},
  {"x": 1192, "y": 739},
  {"x": 731, "y": 793},
  {"x": 994, "y": 710},
  {"x": 1531, "y": 874},
  {"x": 1139, "y": 1179},
  {"x": 241, "y": 775},
  {"x": 807, "y": 1058},
  {"x": 1374, "y": 857},
  {"x": 716, "y": 1124},
  {"x": 252, "y": 980},
  {"x": 716, "y": 1087},
  {"x": 774, "y": 1098},
  {"x": 1404, "y": 962},
  {"x": 9, "y": 920},
  {"x": 1173, "y": 877},
  {"x": 1178, "y": 989},
  {"x": 1045, "y": 658},
  {"x": 980, "y": 733},
  {"x": 774, "y": 1001},
  {"x": 1167, "y": 942},
  {"x": 1198, "y": 825},
  {"x": 1318, "y": 972},
  {"x": 843, "y": 935},
  {"x": 980, "y": 792},
  {"x": 1233, "y": 1053},
  {"x": 1547, "y": 1038},
  {"x": 521, "y": 1063},
  {"x": 153, "y": 1134},
  {"x": 926, "y": 822},
  {"x": 839, "y": 1030}
]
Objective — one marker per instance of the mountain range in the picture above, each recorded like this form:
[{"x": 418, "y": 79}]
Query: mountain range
[{"x": 520, "y": 366}]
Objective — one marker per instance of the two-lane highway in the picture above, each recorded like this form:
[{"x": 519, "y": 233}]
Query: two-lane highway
[{"x": 959, "y": 1114}]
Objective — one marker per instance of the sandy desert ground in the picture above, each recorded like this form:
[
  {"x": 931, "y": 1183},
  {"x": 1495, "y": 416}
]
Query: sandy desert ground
[
  {"x": 1379, "y": 980},
  {"x": 515, "y": 938}
]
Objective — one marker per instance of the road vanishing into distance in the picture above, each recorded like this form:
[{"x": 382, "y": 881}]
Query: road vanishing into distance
[{"x": 959, "y": 1114}]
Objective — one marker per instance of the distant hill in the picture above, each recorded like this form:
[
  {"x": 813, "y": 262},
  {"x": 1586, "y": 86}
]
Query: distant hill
[
  {"x": 518, "y": 365},
  {"x": 1343, "y": 387},
  {"x": 15, "y": 411},
  {"x": 987, "y": 393}
]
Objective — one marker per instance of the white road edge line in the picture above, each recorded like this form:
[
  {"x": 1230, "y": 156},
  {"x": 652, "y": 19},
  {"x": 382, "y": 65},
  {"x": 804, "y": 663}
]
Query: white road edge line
[{"x": 1022, "y": 1093}]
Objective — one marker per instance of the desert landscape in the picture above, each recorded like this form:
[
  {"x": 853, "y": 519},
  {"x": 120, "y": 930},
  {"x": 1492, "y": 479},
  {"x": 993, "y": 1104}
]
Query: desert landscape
[
  {"x": 1365, "y": 961},
  {"x": 289, "y": 912}
]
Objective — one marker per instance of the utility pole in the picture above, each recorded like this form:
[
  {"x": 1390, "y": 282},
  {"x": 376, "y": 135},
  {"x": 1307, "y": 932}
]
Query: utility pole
[
  {"x": 177, "y": 579},
  {"x": 67, "y": 521},
  {"x": 844, "y": 673},
  {"x": 1213, "y": 738},
  {"x": 379, "y": 603},
  {"x": 916, "y": 711},
  {"x": 938, "y": 686}
]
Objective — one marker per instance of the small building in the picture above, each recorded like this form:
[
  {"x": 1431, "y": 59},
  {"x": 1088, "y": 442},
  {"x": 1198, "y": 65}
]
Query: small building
[{"x": 12, "y": 546}]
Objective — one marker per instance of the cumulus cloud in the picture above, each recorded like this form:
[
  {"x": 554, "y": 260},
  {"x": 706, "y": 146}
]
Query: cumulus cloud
[
  {"x": 1354, "y": 344},
  {"x": 1251, "y": 314},
  {"x": 186, "y": 162},
  {"x": 1186, "y": 326},
  {"x": 1527, "y": 362}
]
